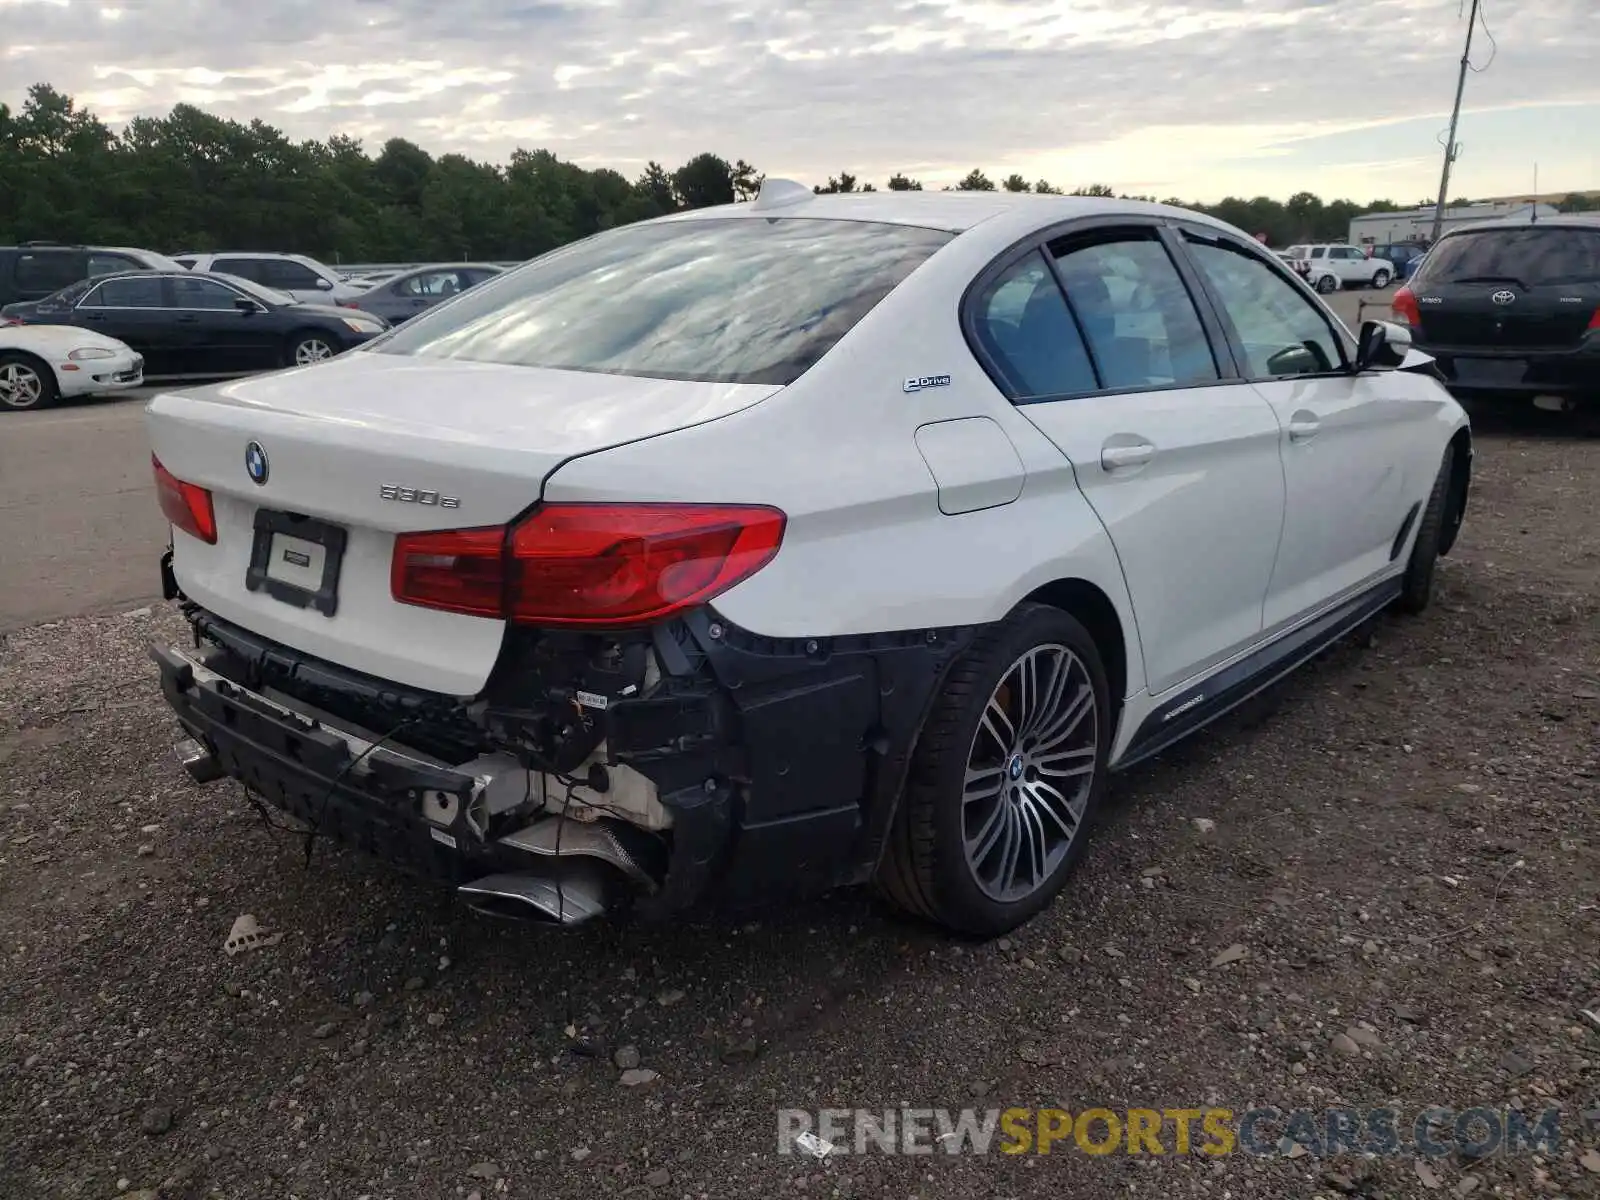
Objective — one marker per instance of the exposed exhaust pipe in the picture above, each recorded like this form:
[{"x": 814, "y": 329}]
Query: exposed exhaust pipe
[
  {"x": 571, "y": 893},
  {"x": 201, "y": 764}
]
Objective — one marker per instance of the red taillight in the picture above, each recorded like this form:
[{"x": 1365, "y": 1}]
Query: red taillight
[
  {"x": 186, "y": 505},
  {"x": 1404, "y": 306},
  {"x": 1594, "y": 321},
  {"x": 588, "y": 565}
]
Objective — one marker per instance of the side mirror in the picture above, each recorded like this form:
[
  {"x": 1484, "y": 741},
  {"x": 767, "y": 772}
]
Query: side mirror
[
  {"x": 246, "y": 306},
  {"x": 324, "y": 284},
  {"x": 1382, "y": 346}
]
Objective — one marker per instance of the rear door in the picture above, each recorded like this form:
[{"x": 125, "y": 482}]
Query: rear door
[
  {"x": 1495, "y": 295},
  {"x": 1100, "y": 344},
  {"x": 132, "y": 309},
  {"x": 1357, "y": 450},
  {"x": 41, "y": 271}
]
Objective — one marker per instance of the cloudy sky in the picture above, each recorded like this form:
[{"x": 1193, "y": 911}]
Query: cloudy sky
[{"x": 1198, "y": 98}]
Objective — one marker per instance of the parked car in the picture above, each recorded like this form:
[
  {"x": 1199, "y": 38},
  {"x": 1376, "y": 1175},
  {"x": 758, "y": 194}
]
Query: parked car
[
  {"x": 202, "y": 324},
  {"x": 295, "y": 275},
  {"x": 787, "y": 544},
  {"x": 34, "y": 270},
  {"x": 40, "y": 364},
  {"x": 418, "y": 290},
  {"x": 1511, "y": 311},
  {"x": 1331, "y": 266},
  {"x": 1401, "y": 256}
]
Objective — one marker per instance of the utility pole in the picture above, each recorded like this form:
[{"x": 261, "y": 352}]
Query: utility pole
[{"x": 1451, "y": 148}]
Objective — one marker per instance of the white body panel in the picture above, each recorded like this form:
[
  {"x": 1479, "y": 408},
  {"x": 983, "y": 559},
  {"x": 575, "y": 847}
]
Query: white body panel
[
  {"x": 942, "y": 506},
  {"x": 1194, "y": 510},
  {"x": 100, "y": 359},
  {"x": 335, "y": 433}
]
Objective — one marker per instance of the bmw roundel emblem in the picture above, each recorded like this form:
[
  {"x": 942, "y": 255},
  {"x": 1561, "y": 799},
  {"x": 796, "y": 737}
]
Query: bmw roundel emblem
[{"x": 255, "y": 462}]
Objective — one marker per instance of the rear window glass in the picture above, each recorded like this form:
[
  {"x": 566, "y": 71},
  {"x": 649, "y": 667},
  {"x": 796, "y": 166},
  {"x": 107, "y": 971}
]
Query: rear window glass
[
  {"x": 724, "y": 300},
  {"x": 1529, "y": 256}
]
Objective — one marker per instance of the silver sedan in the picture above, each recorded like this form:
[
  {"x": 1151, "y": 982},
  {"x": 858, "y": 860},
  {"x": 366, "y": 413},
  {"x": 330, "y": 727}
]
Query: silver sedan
[{"x": 410, "y": 292}]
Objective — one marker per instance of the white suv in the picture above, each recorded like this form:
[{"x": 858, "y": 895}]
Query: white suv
[
  {"x": 1331, "y": 266},
  {"x": 762, "y": 549},
  {"x": 302, "y": 277}
]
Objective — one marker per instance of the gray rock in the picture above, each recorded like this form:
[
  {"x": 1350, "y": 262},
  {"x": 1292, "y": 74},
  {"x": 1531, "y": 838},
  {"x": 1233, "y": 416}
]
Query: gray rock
[
  {"x": 1363, "y": 1037},
  {"x": 1515, "y": 1064},
  {"x": 580, "y": 1153},
  {"x": 414, "y": 984},
  {"x": 483, "y": 1170},
  {"x": 156, "y": 1120},
  {"x": 1345, "y": 1045},
  {"x": 658, "y": 1178},
  {"x": 1232, "y": 954},
  {"x": 364, "y": 998},
  {"x": 638, "y": 1077},
  {"x": 626, "y": 1058},
  {"x": 324, "y": 1031},
  {"x": 670, "y": 997}
]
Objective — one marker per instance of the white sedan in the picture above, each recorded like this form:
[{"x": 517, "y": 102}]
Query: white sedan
[
  {"x": 40, "y": 364},
  {"x": 761, "y": 549}
]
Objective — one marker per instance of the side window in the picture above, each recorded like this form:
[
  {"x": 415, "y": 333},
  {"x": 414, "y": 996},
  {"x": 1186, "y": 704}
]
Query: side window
[
  {"x": 137, "y": 291},
  {"x": 46, "y": 271},
  {"x": 110, "y": 264},
  {"x": 1282, "y": 331},
  {"x": 244, "y": 268},
  {"x": 202, "y": 294},
  {"x": 1136, "y": 313},
  {"x": 435, "y": 284},
  {"x": 281, "y": 273},
  {"x": 1023, "y": 323}
]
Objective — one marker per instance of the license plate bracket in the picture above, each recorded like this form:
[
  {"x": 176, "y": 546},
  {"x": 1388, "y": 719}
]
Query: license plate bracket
[
  {"x": 296, "y": 560},
  {"x": 1491, "y": 372}
]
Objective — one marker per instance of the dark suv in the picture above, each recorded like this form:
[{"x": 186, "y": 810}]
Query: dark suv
[
  {"x": 35, "y": 270},
  {"x": 1511, "y": 310}
]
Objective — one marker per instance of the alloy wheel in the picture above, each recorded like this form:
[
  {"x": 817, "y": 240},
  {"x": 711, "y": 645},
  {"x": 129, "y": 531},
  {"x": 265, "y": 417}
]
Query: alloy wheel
[
  {"x": 20, "y": 385},
  {"x": 1030, "y": 770},
  {"x": 312, "y": 350}
]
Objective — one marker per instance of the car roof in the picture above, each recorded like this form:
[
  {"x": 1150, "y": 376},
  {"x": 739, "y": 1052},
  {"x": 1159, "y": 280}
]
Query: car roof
[
  {"x": 954, "y": 211},
  {"x": 1561, "y": 221}
]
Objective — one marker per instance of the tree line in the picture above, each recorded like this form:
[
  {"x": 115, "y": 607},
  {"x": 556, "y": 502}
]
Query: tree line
[{"x": 194, "y": 181}]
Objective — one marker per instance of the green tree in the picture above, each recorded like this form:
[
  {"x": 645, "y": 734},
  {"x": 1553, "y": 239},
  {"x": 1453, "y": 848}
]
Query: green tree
[
  {"x": 1015, "y": 183},
  {"x": 900, "y": 183},
  {"x": 975, "y": 181},
  {"x": 703, "y": 181}
]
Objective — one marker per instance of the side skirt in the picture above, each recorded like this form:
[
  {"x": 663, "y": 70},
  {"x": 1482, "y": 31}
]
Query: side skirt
[{"x": 1202, "y": 704}]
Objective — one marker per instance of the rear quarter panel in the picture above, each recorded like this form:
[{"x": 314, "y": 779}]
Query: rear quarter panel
[{"x": 866, "y": 548}]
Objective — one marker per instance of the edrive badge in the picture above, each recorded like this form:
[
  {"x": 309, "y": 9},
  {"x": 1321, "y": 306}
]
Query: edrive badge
[{"x": 255, "y": 462}]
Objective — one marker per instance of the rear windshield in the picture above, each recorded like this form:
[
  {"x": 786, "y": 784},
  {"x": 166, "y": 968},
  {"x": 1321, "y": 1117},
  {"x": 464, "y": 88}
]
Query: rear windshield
[
  {"x": 723, "y": 300},
  {"x": 1529, "y": 256}
]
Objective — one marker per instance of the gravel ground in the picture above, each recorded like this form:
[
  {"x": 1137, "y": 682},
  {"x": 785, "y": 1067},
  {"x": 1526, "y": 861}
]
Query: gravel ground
[{"x": 1405, "y": 849}]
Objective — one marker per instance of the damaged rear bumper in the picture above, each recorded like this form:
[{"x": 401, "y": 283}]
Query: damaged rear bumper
[{"x": 776, "y": 766}]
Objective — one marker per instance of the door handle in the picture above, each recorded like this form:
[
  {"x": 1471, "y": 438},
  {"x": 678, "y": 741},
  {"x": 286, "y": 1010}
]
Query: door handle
[
  {"x": 1303, "y": 427},
  {"x": 187, "y": 319},
  {"x": 1114, "y": 458}
]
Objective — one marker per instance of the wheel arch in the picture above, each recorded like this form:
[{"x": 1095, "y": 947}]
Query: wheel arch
[
  {"x": 1461, "y": 454},
  {"x": 1093, "y": 608}
]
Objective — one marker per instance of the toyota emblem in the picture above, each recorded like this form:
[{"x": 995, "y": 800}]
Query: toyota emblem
[{"x": 1503, "y": 296}]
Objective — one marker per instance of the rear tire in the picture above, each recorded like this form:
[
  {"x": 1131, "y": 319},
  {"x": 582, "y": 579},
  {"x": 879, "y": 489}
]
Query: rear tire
[
  {"x": 1010, "y": 767},
  {"x": 309, "y": 347},
  {"x": 1416, "y": 585},
  {"x": 1327, "y": 284},
  {"x": 26, "y": 383},
  {"x": 1380, "y": 278}
]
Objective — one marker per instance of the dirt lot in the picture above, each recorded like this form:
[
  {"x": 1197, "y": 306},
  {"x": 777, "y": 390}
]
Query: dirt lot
[{"x": 1406, "y": 846}]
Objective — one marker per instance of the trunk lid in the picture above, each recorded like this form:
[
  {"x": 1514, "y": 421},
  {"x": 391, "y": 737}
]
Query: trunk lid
[{"x": 371, "y": 445}]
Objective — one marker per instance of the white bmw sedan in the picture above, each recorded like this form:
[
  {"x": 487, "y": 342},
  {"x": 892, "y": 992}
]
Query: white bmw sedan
[
  {"x": 40, "y": 364},
  {"x": 805, "y": 542}
]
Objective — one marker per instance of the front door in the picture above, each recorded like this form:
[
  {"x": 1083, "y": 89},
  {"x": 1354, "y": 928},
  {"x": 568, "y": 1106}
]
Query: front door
[
  {"x": 1355, "y": 452},
  {"x": 218, "y": 336},
  {"x": 1178, "y": 459}
]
